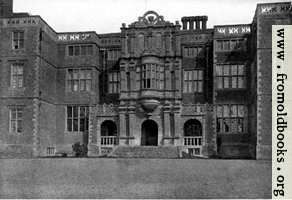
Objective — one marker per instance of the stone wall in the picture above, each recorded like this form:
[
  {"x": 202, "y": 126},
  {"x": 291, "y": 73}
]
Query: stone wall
[{"x": 266, "y": 16}]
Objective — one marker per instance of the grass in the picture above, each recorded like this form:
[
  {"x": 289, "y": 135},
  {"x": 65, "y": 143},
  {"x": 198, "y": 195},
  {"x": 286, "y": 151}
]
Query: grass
[{"x": 134, "y": 178}]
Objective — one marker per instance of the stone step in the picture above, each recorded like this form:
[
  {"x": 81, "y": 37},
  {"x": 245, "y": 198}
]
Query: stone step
[{"x": 144, "y": 152}]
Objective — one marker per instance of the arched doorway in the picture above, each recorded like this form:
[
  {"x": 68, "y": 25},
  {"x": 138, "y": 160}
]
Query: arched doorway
[
  {"x": 193, "y": 137},
  {"x": 193, "y": 133},
  {"x": 108, "y": 133},
  {"x": 192, "y": 128},
  {"x": 149, "y": 133}
]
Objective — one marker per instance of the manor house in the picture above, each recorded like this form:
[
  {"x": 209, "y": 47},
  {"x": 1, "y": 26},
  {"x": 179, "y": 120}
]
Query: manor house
[{"x": 154, "y": 88}]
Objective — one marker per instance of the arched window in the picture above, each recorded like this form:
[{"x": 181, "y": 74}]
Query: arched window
[{"x": 192, "y": 128}]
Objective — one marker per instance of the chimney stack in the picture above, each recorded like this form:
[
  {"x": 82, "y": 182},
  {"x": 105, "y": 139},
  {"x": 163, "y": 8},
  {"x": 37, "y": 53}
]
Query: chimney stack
[
  {"x": 201, "y": 22},
  {"x": 204, "y": 22},
  {"x": 184, "y": 22}
]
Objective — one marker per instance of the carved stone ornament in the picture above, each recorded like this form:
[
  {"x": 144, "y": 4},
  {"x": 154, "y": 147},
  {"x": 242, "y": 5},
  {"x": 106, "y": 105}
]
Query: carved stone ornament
[{"x": 151, "y": 18}]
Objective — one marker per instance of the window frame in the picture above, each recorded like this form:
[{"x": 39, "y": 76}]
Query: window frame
[
  {"x": 75, "y": 50},
  {"x": 17, "y": 79},
  {"x": 113, "y": 54},
  {"x": 192, "y": 51},
  {"x": 114, "y": 82},
  {"x": 18, "y": 42},
  {"x": 226, "y": 44},
  {"x": 73, "y": 119},
  {"x": 152, "y": 76},
  {"x": 227, "y": 118},
  {"x": 193, "y": 81},
  {"x": 223, "y": 76},
  {"x": 18, "y": 120},
  {"x": 87, "y": 79}
]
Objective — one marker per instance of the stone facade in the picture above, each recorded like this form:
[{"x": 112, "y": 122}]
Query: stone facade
[{"x": 205, "y": 91}]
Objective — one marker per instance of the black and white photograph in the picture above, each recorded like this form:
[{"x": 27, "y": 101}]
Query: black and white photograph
[{"x": 141, "y": 99}]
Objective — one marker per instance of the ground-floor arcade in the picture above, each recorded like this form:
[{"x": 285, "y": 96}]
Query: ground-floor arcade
[{"x": 191, "y": 128}]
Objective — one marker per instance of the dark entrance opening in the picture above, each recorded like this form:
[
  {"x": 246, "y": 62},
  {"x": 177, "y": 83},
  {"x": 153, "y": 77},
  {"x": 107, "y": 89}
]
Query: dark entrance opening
[
  {"x": 108, "y": 128},
  {"x": 192, "y": 128},
  {"x": 108, "y": 133},
  {"x": 149, "y": 133}
]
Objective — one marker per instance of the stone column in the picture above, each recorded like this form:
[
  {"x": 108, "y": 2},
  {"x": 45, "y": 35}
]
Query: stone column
[
  {"x": 98, "y": 135},
  {"x": 134, "y": 130},
  {"x": 123, "y": 131},
  {"x": 92, "y": 137},
  {"x": 178, "y": 130},
  {"x": 160, "y": 131},
  {"x": 123, "y": 80},
  {"x": 132, "y": 81},
  {"x": 178, "y": 76},
  {"x": 166, "y": 124},
  {"x": 137, "y": 84},
  {"x": 167, "y": 79},
  {"x": 167, "y": 133}
]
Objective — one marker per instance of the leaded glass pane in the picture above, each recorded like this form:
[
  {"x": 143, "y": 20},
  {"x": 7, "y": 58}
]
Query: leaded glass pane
[
  {"x": 190, "y": 75},
  {"x": 19, "y": 126},
  {"x": 241, "y": 82},
  {"x": 240, "y": 111},
  {"x": 69, "y": 125},
  {"x": 88, "y": 85},
  {"x": 233, "y": 69},
  {"x": 226, "y": 111},
  {"x": 226, "y": 70},
  {"x": 200, "y": 75},
  {"x": 233, "y": 111},
  {"x": 75, "y": 112},
  {"x": 219, "y": 70},
  {"x": 200, "y": 86},
  {"x": 240, "y": 69},
  {"x": 69, "y": 112},
  {"x": 219, "y": 82},
  {"x": 226, "y": 82},
  {"x": 234, "y": 82},
  {"x": 75, "y": 125}
]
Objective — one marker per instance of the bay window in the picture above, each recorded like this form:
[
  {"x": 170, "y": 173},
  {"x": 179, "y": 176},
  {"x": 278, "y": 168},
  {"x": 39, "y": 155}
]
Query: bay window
[{"x": 152, "y": 76}]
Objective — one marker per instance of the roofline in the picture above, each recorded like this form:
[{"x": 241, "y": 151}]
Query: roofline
[
  {"x": 277, "y": 3},
  {"x": 44, "y": 22},
  {"x": 249, "y": 24}
]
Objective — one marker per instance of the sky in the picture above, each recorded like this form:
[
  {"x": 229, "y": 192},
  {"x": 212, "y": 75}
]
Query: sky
[{"x": 106, "y": 16}]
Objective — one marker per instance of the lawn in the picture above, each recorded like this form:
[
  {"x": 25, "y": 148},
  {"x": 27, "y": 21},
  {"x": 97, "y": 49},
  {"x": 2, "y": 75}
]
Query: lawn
[{"x": 134, "y": 178}]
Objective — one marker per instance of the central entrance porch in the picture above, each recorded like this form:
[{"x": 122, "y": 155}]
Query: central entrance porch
[{"x": 149, "y": 133}]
